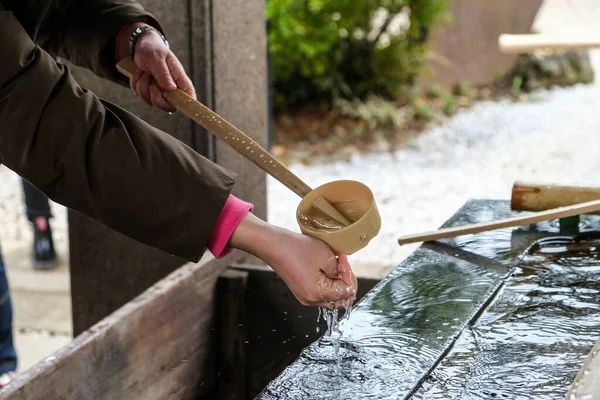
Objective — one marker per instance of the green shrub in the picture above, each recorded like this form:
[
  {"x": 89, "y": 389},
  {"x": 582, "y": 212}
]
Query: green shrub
[
  {"x": 449, "y": 106},
  {"x": 375, "y": 110},
  {"x": 434, "y": 92},
  {"x": 421, "y": 110},
  {"x": 463, "y": 89},
  {"x": 322, "y": 50}
]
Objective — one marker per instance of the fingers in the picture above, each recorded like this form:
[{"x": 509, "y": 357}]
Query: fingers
[
  {"x": 158, "y": 99},
  {"x": 345, "y": 270},
  {"x": 336, "y": 292},
  {"x": 178, "y": 74},
  {"x": 146, "y": 88},
  {"x": 142, "y": 88},
  {"x": 331, "y": 269},
  {"x": 134, "y": 80},
  {"x": 161, "y": 72}
]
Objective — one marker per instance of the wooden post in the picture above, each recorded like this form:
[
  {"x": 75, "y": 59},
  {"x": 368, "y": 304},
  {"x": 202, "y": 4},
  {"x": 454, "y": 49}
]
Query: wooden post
[
  {"x": 222, "y": 44},
  {"x": 232, "y": 333}
]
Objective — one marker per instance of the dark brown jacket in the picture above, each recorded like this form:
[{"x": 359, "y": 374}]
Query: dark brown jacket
[{"x": 88, "y": 154}]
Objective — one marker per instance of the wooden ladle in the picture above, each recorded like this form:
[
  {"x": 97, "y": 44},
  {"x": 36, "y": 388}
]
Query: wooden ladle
[{"x": 239, "y": 141}]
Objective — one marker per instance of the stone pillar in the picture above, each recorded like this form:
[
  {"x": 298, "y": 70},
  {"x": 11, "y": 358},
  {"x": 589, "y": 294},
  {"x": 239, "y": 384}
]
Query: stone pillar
[{"x": 222, "y": 44}]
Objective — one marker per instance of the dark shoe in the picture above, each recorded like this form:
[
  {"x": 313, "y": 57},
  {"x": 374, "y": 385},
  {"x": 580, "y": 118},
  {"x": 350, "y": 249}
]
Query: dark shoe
[{"x": 44, "y": 256}]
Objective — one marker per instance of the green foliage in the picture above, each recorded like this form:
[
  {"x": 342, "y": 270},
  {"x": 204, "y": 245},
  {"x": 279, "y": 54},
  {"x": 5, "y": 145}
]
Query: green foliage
[
  {"x": 449, "y": 106},
  {"x": 375, "y": 110},
  {"x": 434, "y": 92},
  {"x": 322, "y": 50},
  {"x": 463, "y": 89},
  {"x": 421, "y": 110},
  {"x": 517, "y": 82}
]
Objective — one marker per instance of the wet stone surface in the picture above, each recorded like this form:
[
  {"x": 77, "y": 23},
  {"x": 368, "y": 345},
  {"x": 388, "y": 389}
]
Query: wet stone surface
[{"x": 480, "y": 317}]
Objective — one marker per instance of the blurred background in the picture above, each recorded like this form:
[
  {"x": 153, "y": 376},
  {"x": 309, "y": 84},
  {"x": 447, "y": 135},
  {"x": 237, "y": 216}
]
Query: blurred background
[{"x": 412, "y": 98}]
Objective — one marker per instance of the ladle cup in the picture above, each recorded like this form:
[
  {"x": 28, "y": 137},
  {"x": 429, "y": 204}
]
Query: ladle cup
[{"x": 352, "y": 199}]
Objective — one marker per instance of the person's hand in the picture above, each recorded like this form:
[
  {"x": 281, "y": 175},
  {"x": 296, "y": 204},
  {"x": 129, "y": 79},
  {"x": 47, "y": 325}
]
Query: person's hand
[
  {"x": 158, "y": 70},
  {"x": 307, "y": 265},
  {"x": 311, "y": 271}
]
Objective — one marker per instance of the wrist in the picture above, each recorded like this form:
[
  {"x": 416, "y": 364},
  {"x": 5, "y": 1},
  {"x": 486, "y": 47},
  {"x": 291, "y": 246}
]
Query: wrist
[
  {"x": 254, "y": 236},
  {"x": 122, "y": 45}
]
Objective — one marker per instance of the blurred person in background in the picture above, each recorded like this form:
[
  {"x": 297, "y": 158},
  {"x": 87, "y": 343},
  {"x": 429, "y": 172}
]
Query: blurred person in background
[{"x": 37, "y": 210}]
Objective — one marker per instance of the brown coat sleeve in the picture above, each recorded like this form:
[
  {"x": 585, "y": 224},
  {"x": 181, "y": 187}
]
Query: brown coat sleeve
[
  {"x": 84, "y": 32},
  {"x": 97, "y": 158}
]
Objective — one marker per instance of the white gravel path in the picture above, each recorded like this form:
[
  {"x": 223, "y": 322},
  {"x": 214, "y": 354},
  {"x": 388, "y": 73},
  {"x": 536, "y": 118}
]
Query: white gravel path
[{"x": 477, "y": 154}]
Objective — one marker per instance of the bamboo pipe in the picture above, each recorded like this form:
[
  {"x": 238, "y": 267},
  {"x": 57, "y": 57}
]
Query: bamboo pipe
[
  {"x": 535, "y": 196},
  {"x": 562, "y": 212},
  {"x": 512, "y": 44},
  {"x": 240, "y": 142}
]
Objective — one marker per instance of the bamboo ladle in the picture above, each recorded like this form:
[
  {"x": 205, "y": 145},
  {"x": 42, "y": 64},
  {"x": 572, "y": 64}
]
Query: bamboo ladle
[
  {"x": 561, "y": 212},
  {"x": 239, "y": 141}
]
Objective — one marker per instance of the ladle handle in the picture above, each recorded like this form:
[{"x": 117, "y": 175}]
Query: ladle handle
[
  {"x": 235, "y": 138},
  {"x": 562, "y": 212},
  {"x": 523, "y": 43}
]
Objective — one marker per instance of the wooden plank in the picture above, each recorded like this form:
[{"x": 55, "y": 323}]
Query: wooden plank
[
  {"x": 586, "y": 385},
  {"x": 158, "y": 346},
  {"x": 232, "y": 330}
]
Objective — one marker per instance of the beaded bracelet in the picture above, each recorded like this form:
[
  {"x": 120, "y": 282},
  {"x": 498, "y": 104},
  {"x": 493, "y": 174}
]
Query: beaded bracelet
[{"x": 137, "y": 33}]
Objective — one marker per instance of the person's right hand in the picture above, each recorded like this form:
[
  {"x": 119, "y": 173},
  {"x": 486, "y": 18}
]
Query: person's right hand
[{"x": 307, "y": 265}]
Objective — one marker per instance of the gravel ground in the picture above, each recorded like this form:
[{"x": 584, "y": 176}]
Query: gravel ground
[{"x": 478, "y": 154}]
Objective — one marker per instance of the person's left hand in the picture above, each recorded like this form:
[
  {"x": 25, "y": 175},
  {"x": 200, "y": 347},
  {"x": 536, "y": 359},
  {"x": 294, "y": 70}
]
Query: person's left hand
[{"x": 158, "y": 70}]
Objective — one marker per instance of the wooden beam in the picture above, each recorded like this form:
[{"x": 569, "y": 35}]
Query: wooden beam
[
  {"x": 586, "y": 385},
  {"x": 158, "y": 346},
  {"x": 232, "y": 332},
  {"x": 524, "y": 43}
]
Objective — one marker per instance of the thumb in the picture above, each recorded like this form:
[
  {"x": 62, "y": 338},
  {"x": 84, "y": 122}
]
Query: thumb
[
  {"x": 345, "y": 269},
  {"x": 162, "y": 75}
]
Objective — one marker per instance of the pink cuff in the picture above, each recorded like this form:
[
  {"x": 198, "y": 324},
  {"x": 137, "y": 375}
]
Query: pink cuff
[{"x": 231, "y": 215}]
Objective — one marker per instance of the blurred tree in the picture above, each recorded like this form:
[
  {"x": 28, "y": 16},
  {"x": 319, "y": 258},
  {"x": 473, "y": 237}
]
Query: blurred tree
[{"x": 323, "y": 50}]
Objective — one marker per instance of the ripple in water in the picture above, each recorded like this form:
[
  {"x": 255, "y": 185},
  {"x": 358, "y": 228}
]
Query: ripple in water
[{"x": 532, "y": 341}]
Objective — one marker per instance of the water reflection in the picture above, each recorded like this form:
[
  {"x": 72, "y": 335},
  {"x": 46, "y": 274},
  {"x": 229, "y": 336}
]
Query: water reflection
[
  {"x": 446, "y": 326},
  {"x": 395, "y": 334},
  {"x": 532, "y": 341}
]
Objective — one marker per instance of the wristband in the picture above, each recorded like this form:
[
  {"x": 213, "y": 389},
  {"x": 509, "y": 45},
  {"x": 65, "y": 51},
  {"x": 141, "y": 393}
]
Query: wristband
[{"x": 137, "y": 33}]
